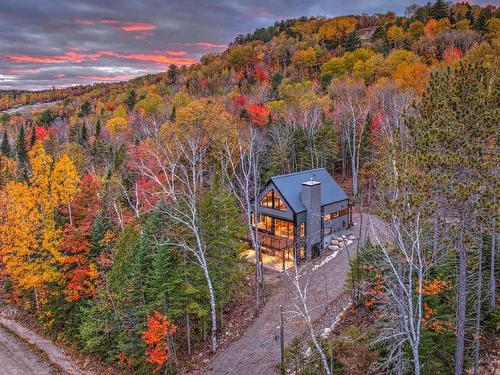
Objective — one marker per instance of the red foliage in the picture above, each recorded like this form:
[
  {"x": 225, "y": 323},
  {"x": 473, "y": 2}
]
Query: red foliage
[
  {"x": 261, "y": 74},
  {"x": 452, "y": 54},
  {"x": 81, "y": 271},
  {"x": 239, "y": 100},
  {"x": 41, "y": 133},
  {"x": 259, "y": 114},
  {"x": 159, "y": 327},
  {"x": 375, "y": 128}
]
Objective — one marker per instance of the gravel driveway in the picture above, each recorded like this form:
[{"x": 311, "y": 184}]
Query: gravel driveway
[{"x": 257, "y": 352}]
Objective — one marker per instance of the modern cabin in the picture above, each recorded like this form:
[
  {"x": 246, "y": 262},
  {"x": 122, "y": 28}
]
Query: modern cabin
[{"x": 299, "y": 212}]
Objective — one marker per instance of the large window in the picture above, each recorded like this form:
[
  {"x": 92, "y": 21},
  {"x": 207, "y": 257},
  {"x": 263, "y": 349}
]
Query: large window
[
  {"x": 272, "y": 200},
  {"x": 283, "y": 228},
  {"x": 274, "y": 226},
  {"x": 331, "y": 216},
  {"x": 302, "y": 229}
]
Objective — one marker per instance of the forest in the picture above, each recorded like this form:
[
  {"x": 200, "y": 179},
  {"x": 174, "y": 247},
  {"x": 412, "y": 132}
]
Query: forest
[{"x": 123, "y": 207}]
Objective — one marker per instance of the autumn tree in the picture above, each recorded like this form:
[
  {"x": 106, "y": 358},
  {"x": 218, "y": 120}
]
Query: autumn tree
[
  {"x": 22, "y": 239},
  {"x": 155, "y": 337}
]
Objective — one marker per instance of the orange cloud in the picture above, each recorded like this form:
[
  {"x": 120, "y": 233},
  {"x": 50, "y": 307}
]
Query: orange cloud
[
  {"x": 129, "y": 26},
  {"x": 206, "y": 45},
  {"x": 67, "y": 57},
  {"x": 75, "y": 57},
  {"x": 107, "y": 78},
  {"x": 176, "y": 53},
  {"x": 137, "y": 26}
]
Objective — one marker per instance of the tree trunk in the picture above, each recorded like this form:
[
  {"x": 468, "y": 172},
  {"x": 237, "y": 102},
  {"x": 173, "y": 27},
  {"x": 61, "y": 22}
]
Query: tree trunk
[
  {"x": 478, "y": 307},
  {"x": 188, "y": 330},
  {"x": 493, "y": 292},
  {"x": 213, "y": 310},
  {"x": 461, "y": 300}
]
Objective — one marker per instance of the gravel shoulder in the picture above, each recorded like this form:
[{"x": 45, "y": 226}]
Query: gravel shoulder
[
  {"x": 20, "y": 360},
  {"x": 16, "y": 358}
]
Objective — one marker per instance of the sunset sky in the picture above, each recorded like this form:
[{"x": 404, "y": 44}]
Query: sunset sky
[{"x": 46, "y": 43}]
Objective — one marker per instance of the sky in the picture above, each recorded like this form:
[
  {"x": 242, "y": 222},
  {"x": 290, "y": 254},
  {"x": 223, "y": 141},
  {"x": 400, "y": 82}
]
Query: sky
[{"x": 45, "y": 43}]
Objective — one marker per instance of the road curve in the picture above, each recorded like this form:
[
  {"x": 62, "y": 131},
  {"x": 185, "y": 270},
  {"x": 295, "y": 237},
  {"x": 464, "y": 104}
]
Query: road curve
[{"x": 17, "y": 359}]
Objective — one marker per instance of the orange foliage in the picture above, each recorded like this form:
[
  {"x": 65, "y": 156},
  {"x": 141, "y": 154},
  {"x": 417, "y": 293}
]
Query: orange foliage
[
  {"x": 452, "y": 54},
  {"x": 434, "y": 287},
  {"x": 41, "y": 133},
  {"x": 259, "y": 114},
  {"x": 261, "y": 74},
  {"x": 155, "y": 337}
]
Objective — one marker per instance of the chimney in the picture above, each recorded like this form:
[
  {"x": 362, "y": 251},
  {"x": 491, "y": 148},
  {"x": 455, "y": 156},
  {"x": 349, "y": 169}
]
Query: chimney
[{"x": 311, "y": 198}]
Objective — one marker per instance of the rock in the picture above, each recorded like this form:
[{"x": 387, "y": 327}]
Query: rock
[{"x": 333, "y": 247}]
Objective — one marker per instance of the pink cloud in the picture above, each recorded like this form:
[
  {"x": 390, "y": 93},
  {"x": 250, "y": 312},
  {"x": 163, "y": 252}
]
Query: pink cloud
[
  {"x": 67, "y": 57},
  {"x": 23, "y": 71},
  {"x": 129, "y": 26},
  {"x": 59, "y": 75},
  {"x": 83, "y": 21},
  {"x": 176, "y": 53},
  {"x": 207, "y": 45},
  {"x": 107, "y": 78},
  {"x": 75, "y": 57}
]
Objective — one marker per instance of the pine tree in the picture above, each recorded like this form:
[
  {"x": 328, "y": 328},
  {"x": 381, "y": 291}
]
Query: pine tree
[
  {"x": 22, "y": 154},
  {"x": 5, "y": 148},
  {"x": 352, "y": 42},
  {"x": 83, "y": 138},
  {"x": 459, "y": 111},
  {"x": 131, "y": 99},
  {"x": 439, "y": 10},
  {"x": 33, "y": 136},
  {"x": 98, "y": 128}
]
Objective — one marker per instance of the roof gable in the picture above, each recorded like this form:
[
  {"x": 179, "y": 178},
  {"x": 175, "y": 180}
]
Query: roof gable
[{"x": 290, "y": 187}]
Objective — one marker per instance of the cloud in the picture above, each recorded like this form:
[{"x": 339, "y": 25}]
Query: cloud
[
  {"x": 107, "y": 78},
  {"x": 206, "y": 45},
  {"x": 78, "y": 57},
  {"x": 23, "y": 71},
  {"x": 129, "y": 26}
]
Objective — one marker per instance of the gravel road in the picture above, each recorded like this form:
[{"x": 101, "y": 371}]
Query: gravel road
[{"x": 17, "y": 359}]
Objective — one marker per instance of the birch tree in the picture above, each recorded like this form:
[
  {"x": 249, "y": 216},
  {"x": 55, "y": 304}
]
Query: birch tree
[
  {"x": 241, "y": 163},
  {"x": 351, "y": 108}
]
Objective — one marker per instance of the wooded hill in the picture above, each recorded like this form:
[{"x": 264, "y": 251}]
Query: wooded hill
[{"x": 123, "y": 207}]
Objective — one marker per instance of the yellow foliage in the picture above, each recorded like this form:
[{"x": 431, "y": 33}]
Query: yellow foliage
[
  {"x": 337, "y": 28},
  {"x": 414, "y": 76},
  {"x": 116, "y": 125},
  {"x": 28, "y": 233}
]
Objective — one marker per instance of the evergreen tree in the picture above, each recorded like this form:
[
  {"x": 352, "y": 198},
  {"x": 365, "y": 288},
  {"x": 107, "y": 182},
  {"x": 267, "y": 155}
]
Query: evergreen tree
[
  {"x": 481, "y": 23},
  {"x": 83, "y": 138},
  {"x": 22, "y": 154},
  {"x": 222, "y": 231},
  {"x": 85, "y": 109},
  {"x": 131, "y": 99},
  {"x": 439, "y": 10},
  {"x": 459, "y": 111},
  {"x": 33, "y": 136},
  {"x": 98, "y": 128},
  {"x": 5, "y": 148},
  {"x": 352, "y": 42}
]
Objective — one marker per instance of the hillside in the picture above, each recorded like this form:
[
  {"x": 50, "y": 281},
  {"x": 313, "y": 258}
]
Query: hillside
[{"x": 124, "y": 205}]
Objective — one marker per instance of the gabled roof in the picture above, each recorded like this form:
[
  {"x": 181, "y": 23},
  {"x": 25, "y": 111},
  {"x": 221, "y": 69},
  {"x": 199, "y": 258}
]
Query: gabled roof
[{"x": 290, "y": 187}]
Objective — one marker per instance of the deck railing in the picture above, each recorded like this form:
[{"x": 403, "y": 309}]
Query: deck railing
[{"x": 273, "y": 242}]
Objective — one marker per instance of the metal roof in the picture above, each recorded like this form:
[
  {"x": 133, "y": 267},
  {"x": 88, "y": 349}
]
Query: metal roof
[{"x": 290, "y": 187}]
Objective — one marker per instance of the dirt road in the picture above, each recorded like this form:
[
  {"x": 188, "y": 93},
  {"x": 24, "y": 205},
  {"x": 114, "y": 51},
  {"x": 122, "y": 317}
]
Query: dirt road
[
  {"x": 256, "y": 352},
  {"x": 17, "y": 359}
]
